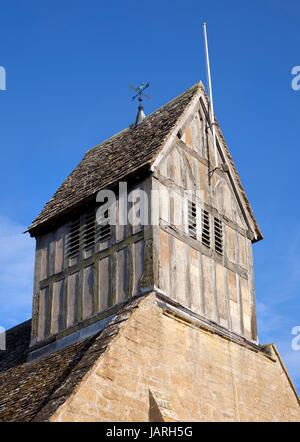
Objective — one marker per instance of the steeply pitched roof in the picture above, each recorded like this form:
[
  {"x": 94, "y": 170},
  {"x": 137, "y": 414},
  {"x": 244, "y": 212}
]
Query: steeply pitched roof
[
  {"x": 34, "y": 390},
  {"x": 123, "y": 155},
  {"x": 116, "y": 158},
  {"x": 239, "y": 182},
  {"x": 17, "y": 343}
]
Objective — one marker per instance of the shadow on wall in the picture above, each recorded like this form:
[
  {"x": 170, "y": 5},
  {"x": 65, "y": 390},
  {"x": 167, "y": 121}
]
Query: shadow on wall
[{"x": 154, "y": 411}]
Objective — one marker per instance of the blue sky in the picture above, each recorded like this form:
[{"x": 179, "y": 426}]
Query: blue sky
[{"x": 69, "y": 64}]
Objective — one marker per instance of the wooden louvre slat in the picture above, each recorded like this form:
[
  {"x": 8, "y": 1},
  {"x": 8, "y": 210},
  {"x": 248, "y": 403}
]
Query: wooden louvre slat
[
  {"x": 205, "y": 228},
  {"x": 218, "y": 231},
  {"x": 73, "y": 239},
  {"x": 192, "y": 219}
]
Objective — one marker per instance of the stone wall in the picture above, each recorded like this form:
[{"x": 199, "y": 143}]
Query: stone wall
[{"x": 162, "y": 368}]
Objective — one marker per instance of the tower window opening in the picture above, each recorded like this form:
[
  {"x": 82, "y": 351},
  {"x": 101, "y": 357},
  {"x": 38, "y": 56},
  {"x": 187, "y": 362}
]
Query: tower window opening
[
  {"x": 192, "y": 219},
  {"x": 89, "y": 236},
  {"x": 73, "y": 239},
  {"x": 103, "y": 228},
  {"x": 84, "y": 232},
  {"x": 205, "y": 228},
  {"x": 218, "y": 233}
]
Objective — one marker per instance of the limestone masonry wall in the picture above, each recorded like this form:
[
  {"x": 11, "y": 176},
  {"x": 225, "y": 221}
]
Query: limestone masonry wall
[{"x": 161, "y": 368}]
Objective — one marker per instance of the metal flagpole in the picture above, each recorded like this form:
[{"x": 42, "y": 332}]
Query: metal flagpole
[{"x": 212, "y": 114}]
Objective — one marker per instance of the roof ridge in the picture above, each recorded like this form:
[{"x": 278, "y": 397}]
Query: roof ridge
[
  {"x": 115, "y": 158},
  {"x": 198, "y": 85}
]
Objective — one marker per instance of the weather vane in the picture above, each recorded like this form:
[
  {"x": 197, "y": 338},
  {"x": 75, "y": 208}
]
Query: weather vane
[{"x": 139, "y": 93}]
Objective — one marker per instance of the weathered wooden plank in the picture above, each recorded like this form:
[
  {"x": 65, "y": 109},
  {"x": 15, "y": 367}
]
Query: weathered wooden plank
[
  {"x": 172, "y": 267},
  {"x": 48, "y": 310},
  {"x": 227, "y": 298},
  {"x": 147, "y": 279},
  {"x": 214, "y": 287},
  {"x": 73, "y": 299},
  {"x": 180, "y": 266},
  {"x": 196, "y": 174},
  {"x": 201, "y": 284},
  {"x": 57, "y": 306},
  {"x": 196, "y": 130},
  {"x": 164, "y": 265},
  {"x": 59, "y": 249},
  {"x": 246, "y": 307},
  {"x": 164, "y": 203},
  {"x": 242, "y": 251},
  {"x": 122, "y": 276},
  {"x": 184, "y": 169},
  {"x": 104, "y": 283},
  {"x": 96, "y": 287},
  {"x": 233, "y": 284},
  {"x": 64, "y": 314},
  {"x": 42, "y": 314},
  {"x": 188, "y": 136},
  {"x": 240, "y": 301},
  {"x": 171, "y": 165},
  {"x": 221, "y": 295},
  {"x": 202, "y": 133},
  {"x": 113, "y": 279},
  {"x": 35, "y": 318},
  {"x": 178, "y": 213},
  {"x": 51, "y": 253},
  {"x": 38, "y": 265},
  {"x": 138, "y": 253},
  {"x": 138, "y": 209},
  {"x": 208, "y": 288},
  {"x": 79, "y": 300},
  {"x": 44, "y": 247},
  {"x": 88, "y": 292},
  {"x": 163, "y": 167},
  {"x": 176, "y": 167},
  {"x": 194, "y": 277},
  {"x": 120, "y": 227},
  {"x": 185, "y": 220}
]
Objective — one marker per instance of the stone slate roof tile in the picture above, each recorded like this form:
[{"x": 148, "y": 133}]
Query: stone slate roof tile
[
  {"x": 116, "y": 158},
  {"x": 17, "y": 343}
]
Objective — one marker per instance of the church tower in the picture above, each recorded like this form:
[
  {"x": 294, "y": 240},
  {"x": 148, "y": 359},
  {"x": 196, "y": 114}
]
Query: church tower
[
  {"x": 150, "y": 317},
  {"x": 195, "y": 247}
]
